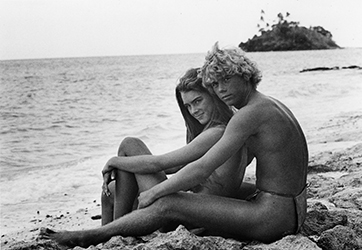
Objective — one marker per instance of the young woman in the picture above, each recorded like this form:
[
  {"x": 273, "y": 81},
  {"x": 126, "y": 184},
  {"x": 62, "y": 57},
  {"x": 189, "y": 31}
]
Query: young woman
[{"x": 205, "y": 117}]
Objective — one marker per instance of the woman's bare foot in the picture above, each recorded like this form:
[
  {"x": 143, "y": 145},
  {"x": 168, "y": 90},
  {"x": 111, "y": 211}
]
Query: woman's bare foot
[{"x": 66, "y": 238}]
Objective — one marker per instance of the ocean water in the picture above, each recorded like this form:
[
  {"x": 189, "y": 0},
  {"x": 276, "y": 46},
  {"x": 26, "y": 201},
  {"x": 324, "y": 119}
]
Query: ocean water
[{"x": 62, "y": 119}]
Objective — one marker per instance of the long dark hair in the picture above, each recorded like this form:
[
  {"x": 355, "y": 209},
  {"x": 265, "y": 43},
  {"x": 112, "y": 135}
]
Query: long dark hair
[{"x": 220, "y": 116}]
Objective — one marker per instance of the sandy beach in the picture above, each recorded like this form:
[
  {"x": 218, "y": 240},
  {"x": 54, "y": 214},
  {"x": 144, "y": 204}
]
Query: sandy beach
[
  {"x": 334, "y": 212},
  {"x": 332, "y": 123}
]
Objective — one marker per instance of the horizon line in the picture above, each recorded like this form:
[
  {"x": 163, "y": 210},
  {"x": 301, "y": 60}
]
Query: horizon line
[{"x": 151, "y": 54}]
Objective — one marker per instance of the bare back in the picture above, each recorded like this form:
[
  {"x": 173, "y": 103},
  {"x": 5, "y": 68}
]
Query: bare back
[{"x": 279, "y": 146}]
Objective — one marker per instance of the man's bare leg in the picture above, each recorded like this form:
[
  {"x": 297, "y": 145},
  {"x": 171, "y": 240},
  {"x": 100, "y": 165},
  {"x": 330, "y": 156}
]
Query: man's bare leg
[
  {"x": 138, "y": 222},
  {"x": 267, "y": 218}
]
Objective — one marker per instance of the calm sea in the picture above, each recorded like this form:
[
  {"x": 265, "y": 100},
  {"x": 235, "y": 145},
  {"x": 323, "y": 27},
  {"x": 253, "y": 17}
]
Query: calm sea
[{"x": 61, "y": 119}]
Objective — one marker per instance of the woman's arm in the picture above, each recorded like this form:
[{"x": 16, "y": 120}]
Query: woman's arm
[
  {"x": 173, "y": 170},
  {"x": 147, "y": 164}
]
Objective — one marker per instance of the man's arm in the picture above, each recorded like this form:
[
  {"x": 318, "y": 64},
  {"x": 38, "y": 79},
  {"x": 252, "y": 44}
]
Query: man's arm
[
  {"x": 148, "y": 164},
  {"x": 240, "y": 127}
]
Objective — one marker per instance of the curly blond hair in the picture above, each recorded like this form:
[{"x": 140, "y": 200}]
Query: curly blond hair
[{"x": 221, "y": 63}]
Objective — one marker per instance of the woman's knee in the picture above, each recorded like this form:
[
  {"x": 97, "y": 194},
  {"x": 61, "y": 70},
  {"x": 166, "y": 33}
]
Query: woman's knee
[
  {"x": 132, "y": 146},
  {"x": 127, "y": 143},
  {"x": 131, "y": 140}
]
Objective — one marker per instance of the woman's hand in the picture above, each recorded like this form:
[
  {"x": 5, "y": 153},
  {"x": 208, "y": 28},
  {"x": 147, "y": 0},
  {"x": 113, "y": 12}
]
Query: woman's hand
[
  {"x": 146, "y": 198},
  {"x": 107, "y": 178},
  {"x": 108, "y": 167}
]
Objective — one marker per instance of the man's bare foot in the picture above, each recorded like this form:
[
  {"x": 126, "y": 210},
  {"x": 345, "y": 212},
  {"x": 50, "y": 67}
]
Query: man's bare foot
[{"x": 65, "y": 238}]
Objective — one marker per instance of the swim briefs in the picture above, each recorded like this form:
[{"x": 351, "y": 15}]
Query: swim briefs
[{"x": 300, "y": 203}]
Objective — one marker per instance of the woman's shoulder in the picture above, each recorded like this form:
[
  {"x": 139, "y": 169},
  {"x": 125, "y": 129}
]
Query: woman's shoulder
[
  {"x": 209, "y": 136},
  {"x": 219, "y": 128}
]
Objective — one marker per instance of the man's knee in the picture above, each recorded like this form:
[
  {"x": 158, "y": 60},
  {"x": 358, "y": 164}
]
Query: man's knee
[{"x": 164, "y": 206}]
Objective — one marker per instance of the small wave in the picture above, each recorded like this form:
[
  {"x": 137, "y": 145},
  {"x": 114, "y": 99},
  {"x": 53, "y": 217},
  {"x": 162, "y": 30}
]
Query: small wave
[
  {"x": 22, "y": 130},
  {"x": 57, "y": 122},
  {"x": 12, "y": 131},
  {"x": 55, "y": 126},
  {"x": 33, "y": 183},
  {"x": 94, "y": 121},
  {"x": 72, "y": 126},
  {"x": 297, "y": 93},
  {"x": 37, "y": 129},
  {"x": 164, "y": 115},
  {"x": 5, "y": 115},
  {"x": 109, "y": 120}
]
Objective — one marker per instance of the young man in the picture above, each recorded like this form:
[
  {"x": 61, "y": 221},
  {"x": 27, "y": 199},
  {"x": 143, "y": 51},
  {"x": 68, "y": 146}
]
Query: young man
[{"x": 272, "y": 135}]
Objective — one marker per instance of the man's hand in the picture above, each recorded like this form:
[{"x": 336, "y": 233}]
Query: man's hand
[{"x": 146, "y": 198}]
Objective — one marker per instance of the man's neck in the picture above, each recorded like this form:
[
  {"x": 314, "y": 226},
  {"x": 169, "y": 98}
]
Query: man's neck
[{"x": 249, "y": 96}]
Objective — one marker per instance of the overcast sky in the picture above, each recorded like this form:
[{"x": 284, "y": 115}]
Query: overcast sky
[{"x": 78, "y": 28}]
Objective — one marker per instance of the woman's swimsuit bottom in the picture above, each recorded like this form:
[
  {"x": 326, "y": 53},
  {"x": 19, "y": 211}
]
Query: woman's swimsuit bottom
[{"x": 300, "y": 202}]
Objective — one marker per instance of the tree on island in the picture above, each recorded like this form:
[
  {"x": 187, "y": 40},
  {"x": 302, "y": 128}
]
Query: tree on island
[{"x": 288, "y": 35}]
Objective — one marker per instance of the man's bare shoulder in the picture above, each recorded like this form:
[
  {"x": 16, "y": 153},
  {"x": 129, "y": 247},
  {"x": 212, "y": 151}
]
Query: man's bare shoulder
[
  {"x": 262, "y": 114},
  {"x": 257, "y": 109}
]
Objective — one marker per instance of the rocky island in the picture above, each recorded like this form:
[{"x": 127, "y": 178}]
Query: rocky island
[{"x": 286, "y": 35}]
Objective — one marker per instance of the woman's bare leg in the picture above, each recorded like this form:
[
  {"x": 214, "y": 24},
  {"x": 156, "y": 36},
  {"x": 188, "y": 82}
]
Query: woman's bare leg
[
  {"x": 246, "y": 190},
  {"x": 125, "y": 192},
  {"x": 127, "y": 185},
  {"x": 108, "y": 204}
]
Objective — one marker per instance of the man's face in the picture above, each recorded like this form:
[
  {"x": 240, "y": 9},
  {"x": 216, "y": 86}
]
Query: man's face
[{"x": 232, "y": 90}]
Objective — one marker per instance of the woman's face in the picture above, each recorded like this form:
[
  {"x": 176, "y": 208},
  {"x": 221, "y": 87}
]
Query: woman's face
[{"x": 199, "y": 105}]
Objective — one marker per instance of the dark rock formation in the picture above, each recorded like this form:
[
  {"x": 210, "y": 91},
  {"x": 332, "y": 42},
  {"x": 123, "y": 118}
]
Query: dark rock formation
[
  {"x": 319, "y": 221},
  {"x": 330, "y": 68},
  {"x": 338, "y": 238},
  {"x": 288, "y": 35}
]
